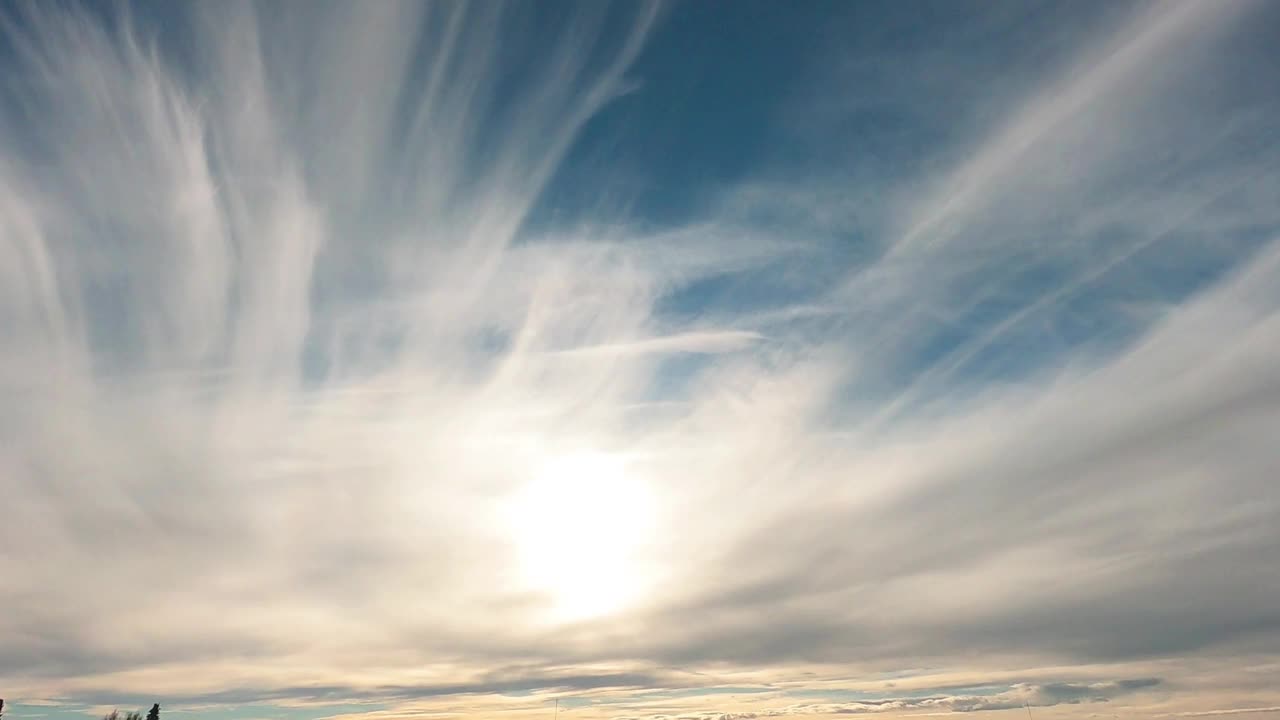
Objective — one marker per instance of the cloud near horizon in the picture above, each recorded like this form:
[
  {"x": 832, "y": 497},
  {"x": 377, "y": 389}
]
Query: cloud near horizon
[
  {"x": 432, "y": 359},
  {"x": 1017, "y": 697}
]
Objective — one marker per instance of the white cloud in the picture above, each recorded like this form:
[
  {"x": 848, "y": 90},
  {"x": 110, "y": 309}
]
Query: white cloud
[{"x": 277, "y": 350}]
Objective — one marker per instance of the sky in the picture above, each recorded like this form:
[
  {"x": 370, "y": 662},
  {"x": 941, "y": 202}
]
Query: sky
[{"x": 686, "y": 361}]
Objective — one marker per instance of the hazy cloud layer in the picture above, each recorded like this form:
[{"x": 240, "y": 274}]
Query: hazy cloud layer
[
  {"x": 1015, "y": 698},
  {"x": 311, "y": 392}
]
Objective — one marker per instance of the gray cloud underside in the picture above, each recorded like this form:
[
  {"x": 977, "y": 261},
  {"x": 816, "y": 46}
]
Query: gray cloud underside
[
  {"x": 1232, "y": 711},
  {"x": 1015, "y": 698}
]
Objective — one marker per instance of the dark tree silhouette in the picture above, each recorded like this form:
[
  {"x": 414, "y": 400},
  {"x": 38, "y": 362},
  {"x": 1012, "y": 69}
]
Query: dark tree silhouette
[{"x": 154, "y": 713}]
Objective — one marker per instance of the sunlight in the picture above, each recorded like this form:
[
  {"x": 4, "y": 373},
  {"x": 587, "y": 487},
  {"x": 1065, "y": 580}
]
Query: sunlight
[{"x": 579, "y": 525}]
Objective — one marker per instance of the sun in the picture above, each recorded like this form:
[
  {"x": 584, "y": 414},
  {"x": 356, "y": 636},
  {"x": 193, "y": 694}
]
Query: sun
[{"x": 579, "y": 526}]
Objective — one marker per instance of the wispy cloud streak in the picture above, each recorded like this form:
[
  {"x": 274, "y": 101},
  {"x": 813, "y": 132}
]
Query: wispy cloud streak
[{"x": 285, "y": 333}]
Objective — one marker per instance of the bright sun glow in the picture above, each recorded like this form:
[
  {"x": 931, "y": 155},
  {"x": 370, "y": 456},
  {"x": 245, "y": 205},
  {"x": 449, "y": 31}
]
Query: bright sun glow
[{"x": 579, "y": 525}]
